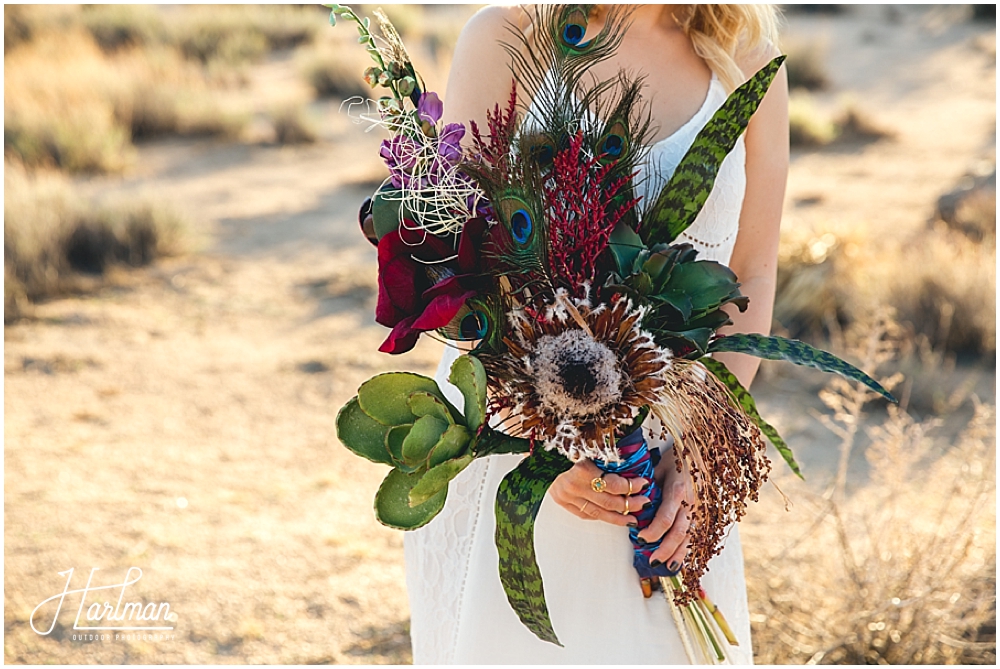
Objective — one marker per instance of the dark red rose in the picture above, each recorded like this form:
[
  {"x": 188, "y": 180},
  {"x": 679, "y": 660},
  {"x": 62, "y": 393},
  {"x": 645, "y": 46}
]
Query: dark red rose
[{"x": 415, "y": 296}]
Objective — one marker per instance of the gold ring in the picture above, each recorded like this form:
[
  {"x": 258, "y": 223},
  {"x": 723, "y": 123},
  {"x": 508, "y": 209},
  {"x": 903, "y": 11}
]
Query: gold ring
[
  {"x": 585, "y": 503},
  {"x": 599, "y": 484},
  {"x": 625, "y": 512},
  {"x": 629, "y": 487}
]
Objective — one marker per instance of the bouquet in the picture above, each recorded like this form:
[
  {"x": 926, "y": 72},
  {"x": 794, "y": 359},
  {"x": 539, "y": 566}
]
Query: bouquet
[{"x": 583, "y": 314}]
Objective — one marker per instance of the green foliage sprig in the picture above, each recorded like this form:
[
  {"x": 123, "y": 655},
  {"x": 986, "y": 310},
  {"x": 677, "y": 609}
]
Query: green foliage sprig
[{"x": 399, "y": 77}]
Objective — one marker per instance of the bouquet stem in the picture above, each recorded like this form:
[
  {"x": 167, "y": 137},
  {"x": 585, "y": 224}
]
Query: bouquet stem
[{"x": 699, "y": 620}]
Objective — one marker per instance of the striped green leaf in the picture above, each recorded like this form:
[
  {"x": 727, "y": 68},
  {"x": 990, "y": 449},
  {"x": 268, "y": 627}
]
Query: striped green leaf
[
  {"x": 747, "y": 403},
  {"x": 685, "y": 194},
  {"x": 518, "y": 500},
  {"x": 792, "y": 350}
]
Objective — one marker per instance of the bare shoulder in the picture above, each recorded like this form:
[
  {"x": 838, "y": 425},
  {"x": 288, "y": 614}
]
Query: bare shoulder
[
  {"x": 480, "y": 73},
  {"x": 752, "y": 60},
  {"x": 492, "y": 21},
  {"x": 489, "y": 28}
]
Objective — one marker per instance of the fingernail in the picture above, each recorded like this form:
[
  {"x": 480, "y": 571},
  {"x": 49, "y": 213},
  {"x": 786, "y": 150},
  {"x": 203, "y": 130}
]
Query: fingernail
[
  {"x": 654, "y": 563},
  {"x": 633, "y": 524},
  {"x": 674, "y": 566},
  {"x": 642, "y": 542},
  {"x": 647, "y": 505}
]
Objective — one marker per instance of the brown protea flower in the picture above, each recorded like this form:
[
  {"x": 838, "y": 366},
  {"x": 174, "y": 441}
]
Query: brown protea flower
[{"x": 573, "y": 373}]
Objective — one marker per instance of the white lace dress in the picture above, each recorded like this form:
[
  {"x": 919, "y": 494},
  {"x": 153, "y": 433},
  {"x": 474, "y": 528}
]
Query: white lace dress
[{"x": 459, "y": 612}]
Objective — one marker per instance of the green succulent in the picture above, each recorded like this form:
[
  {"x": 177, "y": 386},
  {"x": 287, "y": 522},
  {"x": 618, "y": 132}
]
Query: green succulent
[
  {"x": 685, "y": 295},
  {"x": 404, "y": 420}
]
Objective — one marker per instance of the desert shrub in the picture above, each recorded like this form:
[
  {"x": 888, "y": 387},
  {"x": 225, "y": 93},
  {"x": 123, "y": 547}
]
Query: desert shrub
[
  {"x": 23, "y": 23},
  {"x": 337, "y": 72},
  {"x": 812, "y": 127},
  {"x": 807, "y": 291},
  {"x": 236, "y": 34},
  {"x": 292, "y": 126},
  {"x": 18, "y": 27},
  {"x": 808, "y": 126},
  {"x": 899, "y": 569},
  {"x": 71, "y": 106},
  {"x": 51, "y": 235},
  {"x": 203, "y": 115},
  {"x": 854, "y": 124},
  {"x": 971, "y": 207},
  {"x": 84, "y": 139},
  {"x": 945, "y": 287},
  {"x": 59, "y": 101},
  {"x": 941, "y": 283},
  {"x": 805, "y": 64},
  {"x": 119, "y": 26}
]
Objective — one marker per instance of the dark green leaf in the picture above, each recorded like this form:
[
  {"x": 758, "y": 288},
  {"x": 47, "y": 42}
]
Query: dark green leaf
[
  {"x": 452, "y": 443},
  {"x": 392, "y": 502},
  {"x": 422, "y": 437},
  {"x": 425, "y": 404},
  {"x": 625, "y": 246},
  {"x": 492, "y": 442},
  {"x": 361, "y": 433},
  {"x": 706, "y": 283},
  {"x": 681, "y": 302},
  {"x": 684, "y": 195},
  {"x": 437, "y": 478},
  {"x": 518, "y": 499},
  {"x": 387, "y": 210},
  {"x": 697, "y": 337},
  {"x": 792, "y": 350},
  {"x": 469, "y": 376},
  {"x": 713, "y": 320},
  {"x": 384, "y": 397},
  {"x": 747, "y": 403},
  {"x": 394, "y": 439}
]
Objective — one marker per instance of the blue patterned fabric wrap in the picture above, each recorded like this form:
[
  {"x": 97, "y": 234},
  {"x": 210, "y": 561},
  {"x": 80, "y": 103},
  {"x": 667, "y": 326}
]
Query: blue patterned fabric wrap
[{"x": 637, "y": 461}]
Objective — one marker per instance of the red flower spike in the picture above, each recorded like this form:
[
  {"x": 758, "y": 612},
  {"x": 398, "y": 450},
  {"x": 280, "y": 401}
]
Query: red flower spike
[
  {"x": 581, "y": 217},
  {"x": 502, "y": 126}
]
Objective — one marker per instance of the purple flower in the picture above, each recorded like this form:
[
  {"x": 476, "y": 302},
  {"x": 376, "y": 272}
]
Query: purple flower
[
  {"x": 399, "y": 155},
  {"x": 430, "y": 108},
  {"x": 450, "y": 142}
]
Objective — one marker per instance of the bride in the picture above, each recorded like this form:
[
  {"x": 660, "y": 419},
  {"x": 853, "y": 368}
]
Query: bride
[{"x": 692, "y": 56}]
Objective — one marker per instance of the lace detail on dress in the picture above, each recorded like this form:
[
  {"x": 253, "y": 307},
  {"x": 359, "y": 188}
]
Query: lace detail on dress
[{"x": 437, "y": 555}]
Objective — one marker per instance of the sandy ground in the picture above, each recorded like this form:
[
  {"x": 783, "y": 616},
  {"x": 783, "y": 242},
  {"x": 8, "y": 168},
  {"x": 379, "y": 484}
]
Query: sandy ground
[{"x": 182, "y": 420}]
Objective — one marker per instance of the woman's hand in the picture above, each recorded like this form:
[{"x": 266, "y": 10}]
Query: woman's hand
[
  {"x": 673, "y": 519},
  {"x": 573, "y": 490}
]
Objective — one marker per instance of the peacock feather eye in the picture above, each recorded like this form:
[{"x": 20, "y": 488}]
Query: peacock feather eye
[
  {"x": 540, "y": 147},
  {"x": 543, "y": 155},
  {"x": 613, "y": 145},
  {"x": 574, "y": 27},
  {"x": 520, "y": 226},
  {"x": 573, "y": 33},
  {"x": 474, "y": 325},
  {"x": 516, "y": 213},
  {"x": 477, "y": 320}
]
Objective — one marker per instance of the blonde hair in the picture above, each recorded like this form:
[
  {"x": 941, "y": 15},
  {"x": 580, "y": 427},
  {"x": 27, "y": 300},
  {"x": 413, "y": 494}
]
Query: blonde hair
[{"x": 721, "y": 34}]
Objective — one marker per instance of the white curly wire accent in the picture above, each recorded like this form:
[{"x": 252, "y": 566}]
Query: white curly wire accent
[{"x": 440, "y": 208}]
